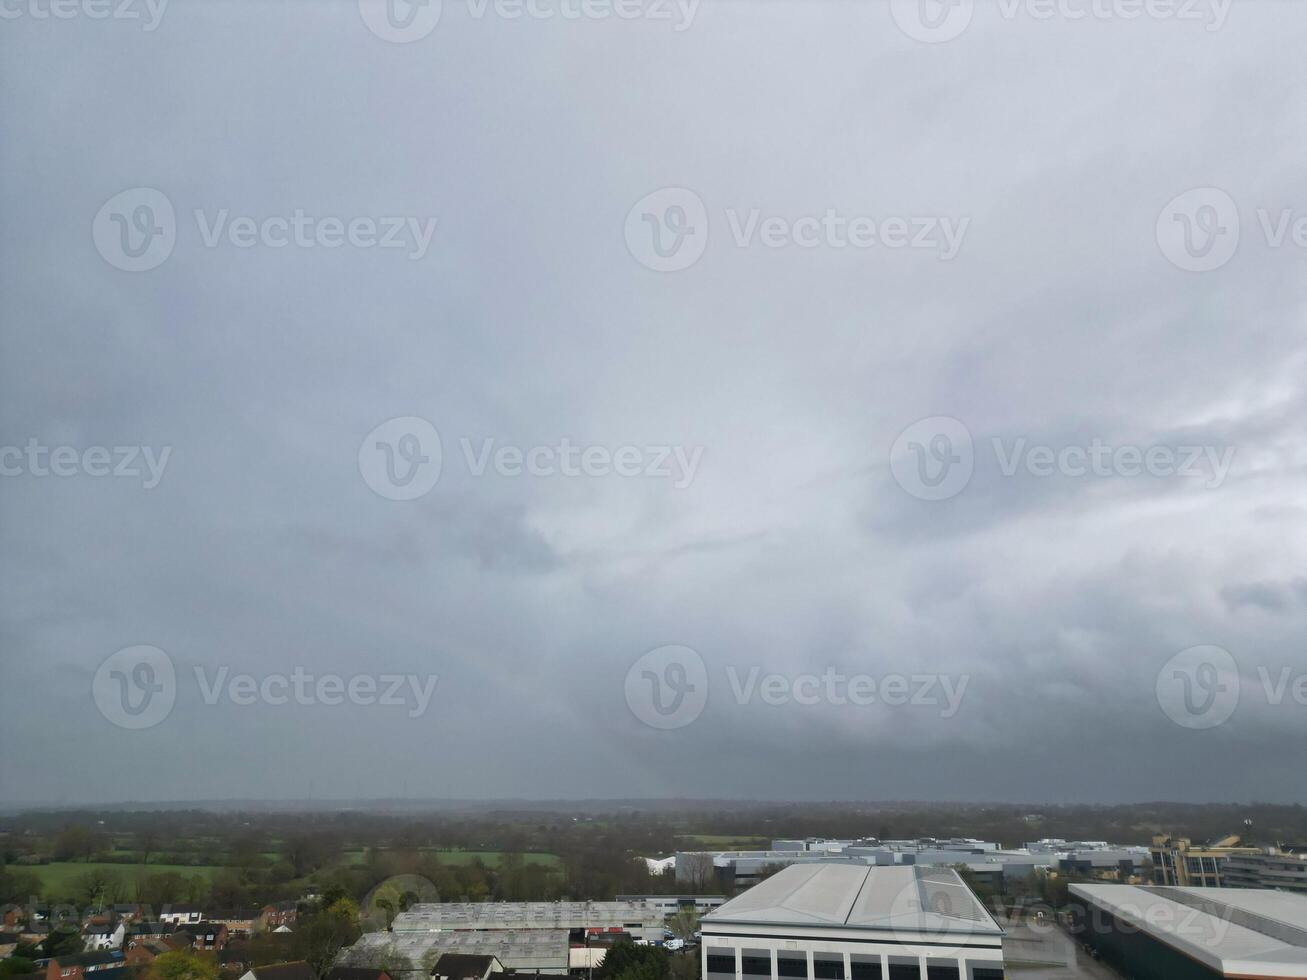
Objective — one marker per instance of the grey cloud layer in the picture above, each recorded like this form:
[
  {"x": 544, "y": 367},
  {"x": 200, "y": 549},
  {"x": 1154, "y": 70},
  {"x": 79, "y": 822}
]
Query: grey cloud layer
[{"x": 526, "y": 321}]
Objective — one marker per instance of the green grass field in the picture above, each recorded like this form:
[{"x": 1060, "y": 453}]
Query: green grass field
[
  {"x": 489, "y": 858},
  {"x": 723, "y": 842},
  {"x": 57, "y": 877}
]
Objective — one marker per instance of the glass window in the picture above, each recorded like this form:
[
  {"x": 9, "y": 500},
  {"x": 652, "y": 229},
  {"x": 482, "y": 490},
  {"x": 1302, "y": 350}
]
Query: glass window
[
  {"x": 865, "y": 967},
  {"x": 904, "y": 971},
  {"x": 721, "y": 961},
  {"x": 942, "y": 971},
  {"x": 789, "y": 965},
  {"x": 827, "y": 967},
  {"x": 755, "y": 963}
]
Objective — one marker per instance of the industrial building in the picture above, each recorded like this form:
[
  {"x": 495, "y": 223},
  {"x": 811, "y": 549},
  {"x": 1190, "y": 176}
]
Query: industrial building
[
  {"x": 735, "y": 870},
  {"x": 410, "y": 955},
  {"x": 1174, "y": 933},
  {"x": 527, "y": 937},
  {"x": 671, "y": 904},
  {"x": 842, "y": 921},
  {"x": 640, "y": 918}
]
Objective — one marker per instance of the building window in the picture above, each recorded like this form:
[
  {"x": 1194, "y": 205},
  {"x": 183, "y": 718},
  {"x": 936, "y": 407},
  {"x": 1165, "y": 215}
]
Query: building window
[
  {"x": 904, "y": 971},
  {"x": 827, "y": 967},
  {"x": 721, "y": 961},
  {"x": 942, "y": 971},
  {"x": 865, "y": 967},
  {"x": 791, "y": 966},
  {"x": 755, "y": 963},
  {"x": 986, "y": 973}
]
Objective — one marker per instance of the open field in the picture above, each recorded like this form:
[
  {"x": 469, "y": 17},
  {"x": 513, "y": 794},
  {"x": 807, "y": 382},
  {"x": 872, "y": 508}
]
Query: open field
[
  {"x": 489, "y": 858},
  {"x": 722, "y": 842},
  {"x": 57, "y": 877}
]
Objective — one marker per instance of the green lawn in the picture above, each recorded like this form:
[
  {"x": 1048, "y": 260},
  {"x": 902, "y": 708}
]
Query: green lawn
[
  {"x": 57, "y": 877},
  {"x": 724, "y": 842},
  {"x": 489, "y": 858}
]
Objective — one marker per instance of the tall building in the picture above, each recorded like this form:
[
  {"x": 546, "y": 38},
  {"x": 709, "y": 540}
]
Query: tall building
[
  {"x": 1178, "y": 861},
  {"x": 853, "y": 922},
  {"x": 1285, "y": 869}
]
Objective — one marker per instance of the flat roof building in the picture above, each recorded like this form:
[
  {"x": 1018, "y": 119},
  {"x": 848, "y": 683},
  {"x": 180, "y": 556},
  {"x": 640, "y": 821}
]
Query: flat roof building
[
  {"x": 853, "y": 922},
  {"x": 641, "y": 919},
  {"x": 413, "y": 954},
  {"x": 1173, "y": 933}
]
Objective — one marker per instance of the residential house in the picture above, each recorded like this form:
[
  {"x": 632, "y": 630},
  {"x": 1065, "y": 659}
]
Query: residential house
[
  {"x": 465, "y": 966},
  {"x": 280, "y": 914},
  {"x": 181, "y": 915},
  {"x": 139, "y": 932},
  {"x": 201, "y": 935},
  {"x": 80, "y": 964},
  {"x": 104, "y": 935},
  {"x": 143, "y": 952},
  {"x": 239, "y": 922},
  {"x": 299, "y": 970}
]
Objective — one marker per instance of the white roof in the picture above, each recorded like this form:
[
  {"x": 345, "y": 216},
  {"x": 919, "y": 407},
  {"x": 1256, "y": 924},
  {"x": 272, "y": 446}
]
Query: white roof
[
  {"x": 899, "y": 898},
  {"x": 1241, "y": 931}
]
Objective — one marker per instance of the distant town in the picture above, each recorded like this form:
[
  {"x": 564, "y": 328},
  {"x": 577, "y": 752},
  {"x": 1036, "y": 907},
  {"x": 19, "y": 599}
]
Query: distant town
[{"x": 620, "y": 893}]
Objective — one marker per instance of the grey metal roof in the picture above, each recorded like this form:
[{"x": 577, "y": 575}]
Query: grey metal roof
[
  {"x": 1245, "y": 931},
  {"x": 907, "y": 899},
  {"x": 530, "y": 949},
  {"x": 426, "y": 917}
]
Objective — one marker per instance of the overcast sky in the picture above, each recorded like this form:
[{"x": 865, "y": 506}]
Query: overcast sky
[{"x": 982, "y": 226}]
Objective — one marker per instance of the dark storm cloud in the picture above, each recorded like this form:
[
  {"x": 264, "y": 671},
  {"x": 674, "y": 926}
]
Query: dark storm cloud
[{"x": 793, "y": 551}]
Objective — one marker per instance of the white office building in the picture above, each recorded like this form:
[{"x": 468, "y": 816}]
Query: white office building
[{"x": 851, "y": 922}]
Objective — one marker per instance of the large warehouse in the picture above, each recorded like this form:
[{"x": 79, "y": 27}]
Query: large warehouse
[
  {"x": 642, "y": 919},
  {"x": 849, "y": 922},
  {"x": 529, "y": 937},
  {"x": 1169, "y": 933}
]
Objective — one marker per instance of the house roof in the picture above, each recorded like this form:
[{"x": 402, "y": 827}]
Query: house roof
[
  {"x": 90, "y": 959},
  {"x": 149, "y": 929},
  {"x": 906, "y": 899},
  {"x": 355, "y": 973},
  {"x": 462, "y": 965},
  {"x": 298, "y": 970}
]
